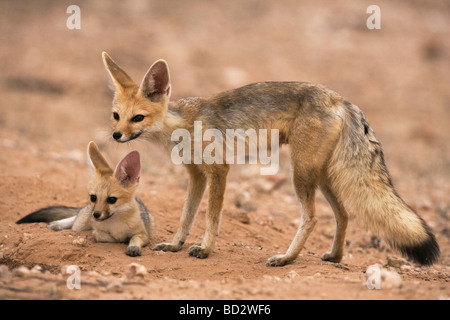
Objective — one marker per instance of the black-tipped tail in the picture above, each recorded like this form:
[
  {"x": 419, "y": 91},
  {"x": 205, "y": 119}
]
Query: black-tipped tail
[
  {"x": 425, "y": 253},
  {"x": 50, "y": 214}
]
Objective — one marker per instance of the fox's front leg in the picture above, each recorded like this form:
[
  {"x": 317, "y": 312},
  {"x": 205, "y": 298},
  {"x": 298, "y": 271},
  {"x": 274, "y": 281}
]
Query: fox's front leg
[
  {"x": 217, "y": 182},
  {"x": 196, "y": 188},
  {"x": 84, "y": 220},
  {"x": 136, "y": 243}
]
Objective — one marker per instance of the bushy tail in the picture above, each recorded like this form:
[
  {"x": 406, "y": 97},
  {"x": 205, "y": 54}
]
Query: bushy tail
[
  {"x": 50, "y": 214},
  {"x": 360, "y": 178}
]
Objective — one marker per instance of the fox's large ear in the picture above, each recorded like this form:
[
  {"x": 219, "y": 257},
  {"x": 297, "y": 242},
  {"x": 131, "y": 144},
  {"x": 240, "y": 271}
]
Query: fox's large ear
[
  {"x": 128, "y": 170},
  {"x": 97, "y": 162},
  {"x": 121, "y": 79},
  {"x": 157, "y": 80}
]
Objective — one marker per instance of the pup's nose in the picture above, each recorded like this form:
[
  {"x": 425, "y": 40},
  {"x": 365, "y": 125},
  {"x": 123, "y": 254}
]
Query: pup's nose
[
  {"x": 117, "y": 135},
  {"x": 96, "y": 214}
]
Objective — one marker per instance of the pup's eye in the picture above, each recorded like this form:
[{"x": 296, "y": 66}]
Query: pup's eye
[
  {"x": 138, "y": 118},
  {"x": 93, "y": 197},
  {"x": 111, "y": 200},
  {"x": 116, "y": 115}
]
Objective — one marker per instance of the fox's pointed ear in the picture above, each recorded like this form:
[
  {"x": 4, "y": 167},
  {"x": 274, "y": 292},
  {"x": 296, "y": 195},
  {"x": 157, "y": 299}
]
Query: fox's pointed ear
[
  {"x": 157, "y": 80},
  {"x": 121, "y": 79},
  {"x": 128, "y": 170},
  {"x": 97, "y": 162}
]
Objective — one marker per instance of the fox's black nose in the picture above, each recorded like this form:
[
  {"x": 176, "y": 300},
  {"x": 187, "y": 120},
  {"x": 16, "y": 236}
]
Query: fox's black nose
[
  {"x": 96, "y": 214},
  {"x": 117, "y": 135}
]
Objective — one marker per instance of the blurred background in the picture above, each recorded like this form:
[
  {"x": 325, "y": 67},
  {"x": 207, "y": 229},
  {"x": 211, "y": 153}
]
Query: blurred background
[{"x": 55, "y": 94}]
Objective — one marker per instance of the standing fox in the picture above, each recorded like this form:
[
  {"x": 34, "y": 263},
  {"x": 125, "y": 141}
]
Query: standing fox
[
  {"x": 114, "y": 214},
  {"x": 331, "y": 147}
]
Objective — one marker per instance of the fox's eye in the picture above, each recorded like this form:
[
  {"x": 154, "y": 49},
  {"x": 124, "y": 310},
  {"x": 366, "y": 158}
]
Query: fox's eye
[
  {"x": 111, "y": 200},
  {"x": 116, "y": 115},
  {"x": 138, "y": 118},
  {"x": 93, "y": 197}
]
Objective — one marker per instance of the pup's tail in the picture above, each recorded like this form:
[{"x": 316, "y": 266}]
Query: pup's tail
[
  {"x": 362, "y": 182},
  {"x": 50, "y": 214}
]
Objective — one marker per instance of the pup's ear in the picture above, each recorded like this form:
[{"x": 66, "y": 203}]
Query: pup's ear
[
  {"x": 157, "y": 80},
  {"x": 97, "y": 162},
  {"x": 120, "y": 78},
  {"x": 128, "y": 170}
]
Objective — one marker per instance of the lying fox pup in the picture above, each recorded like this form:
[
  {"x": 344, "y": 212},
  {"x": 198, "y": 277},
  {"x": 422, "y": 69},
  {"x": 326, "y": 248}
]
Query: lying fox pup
[{"x": 114, "y": 214}]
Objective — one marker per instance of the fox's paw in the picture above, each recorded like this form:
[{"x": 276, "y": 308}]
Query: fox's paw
[
  {"x": 278, "y": 261},
  {"x": 133, "y": 251},
  {"x": 168, "y": 247},
  {"x": 197, "y": 251},
  {"x": 327, "y": 256}
]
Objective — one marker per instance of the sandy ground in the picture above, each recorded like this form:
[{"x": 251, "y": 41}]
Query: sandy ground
[{"x": 55, "y": 98}]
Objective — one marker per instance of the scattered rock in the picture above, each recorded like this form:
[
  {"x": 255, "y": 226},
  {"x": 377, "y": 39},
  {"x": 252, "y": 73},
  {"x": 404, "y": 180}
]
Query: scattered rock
[
  {"x": 268, "y": 279},
  {"x": 240, "y": 216},
  {"x": 241, "y": 244},
  {"x": 93, "y": 273},
  {"x": 382, "y": 278},
  {"x": 26, "y": 237},
  {"x": 135, "y": 270},
  {"x": 405, "y": 268},
  {"x": 291, "y": 275},
  {"x": 396, "y": 262},
  {"x": 80, "y": 241},
  {"x": 341, "y": 266},
  {"x": 240, "y": 279},
  {"x": 36, "y": 269},
  {"x": 21, "y": 271},
  {"x": 390, "y": 279},
  {"x": 243, "y": 201},
  {"x": 4, "y": 272}
]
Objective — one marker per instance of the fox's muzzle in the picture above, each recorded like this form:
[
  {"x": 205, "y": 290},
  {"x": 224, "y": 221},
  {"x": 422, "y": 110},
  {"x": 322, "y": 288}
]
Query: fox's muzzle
[
  {"x": 119, "y": 137},
  {"x": 98, "y": 216}
]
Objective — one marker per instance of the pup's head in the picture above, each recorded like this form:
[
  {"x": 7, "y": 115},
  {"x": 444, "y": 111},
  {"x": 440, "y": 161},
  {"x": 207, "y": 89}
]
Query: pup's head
[
  {"x": 138, "y": 108},
  {"x": 112, "y": 192}
]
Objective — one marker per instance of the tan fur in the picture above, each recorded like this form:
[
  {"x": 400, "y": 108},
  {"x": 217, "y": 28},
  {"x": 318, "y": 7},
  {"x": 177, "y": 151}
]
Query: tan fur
[
  {"x": 125, "y": 220},
  {"x": 331, "y": 146},
  {"x": 381, "y": 209},
  {"x": 120, "y": 221}
]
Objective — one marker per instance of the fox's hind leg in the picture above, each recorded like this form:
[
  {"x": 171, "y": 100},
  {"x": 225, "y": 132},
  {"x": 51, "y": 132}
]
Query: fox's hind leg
[
  {"x": 306, "y": 163},
  {"x": 62, "y": 224},
  {"x": 305, "y": 182},
  {"x": 311, "y": 141},
  {"x": 341, "y": 216}
]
